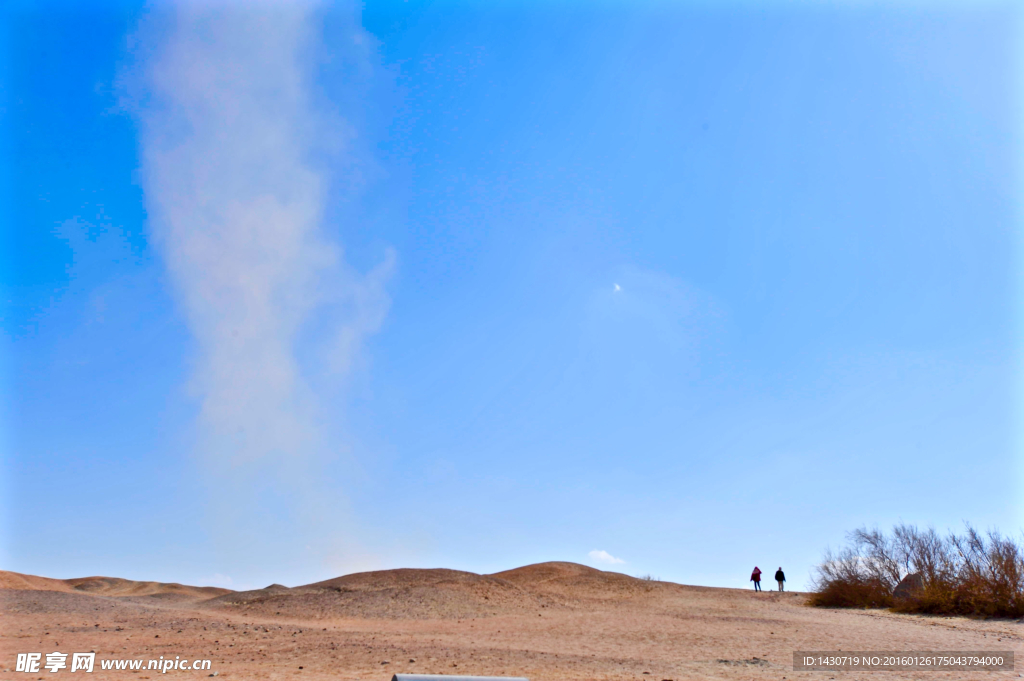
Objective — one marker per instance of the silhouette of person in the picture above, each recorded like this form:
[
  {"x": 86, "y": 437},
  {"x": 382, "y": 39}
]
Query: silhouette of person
[
  {"x": 780, "y": 577},
  {"x": 755, "y": 577}
]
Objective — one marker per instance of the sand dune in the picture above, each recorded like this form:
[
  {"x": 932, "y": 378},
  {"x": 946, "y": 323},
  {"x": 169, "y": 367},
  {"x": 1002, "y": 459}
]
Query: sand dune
[
  {"x": 109, "y": 586},
  {"x": 402, "y": 593},
  {"x": 114, "y": 586},
  {"x": 440, "y": 593},
  {"x": 16, "y": 580},
  {"x": 569, "y": 583},
  {"x": 394, "y": 594},
  {"x": 549, "y": 622}
]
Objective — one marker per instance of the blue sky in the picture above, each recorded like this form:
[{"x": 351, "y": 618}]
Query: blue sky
[{"x": 317, "y": 289}]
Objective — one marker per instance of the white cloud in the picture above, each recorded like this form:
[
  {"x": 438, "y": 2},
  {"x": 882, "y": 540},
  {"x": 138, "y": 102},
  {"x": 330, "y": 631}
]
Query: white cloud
[{"x": 605, "y": 557}]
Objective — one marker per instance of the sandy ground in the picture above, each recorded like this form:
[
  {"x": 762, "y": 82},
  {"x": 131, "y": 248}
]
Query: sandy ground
[{"x": 554, "y": 621}]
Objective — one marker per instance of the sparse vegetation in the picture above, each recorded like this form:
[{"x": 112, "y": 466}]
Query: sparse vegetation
[{"x": 971, "y": 573}]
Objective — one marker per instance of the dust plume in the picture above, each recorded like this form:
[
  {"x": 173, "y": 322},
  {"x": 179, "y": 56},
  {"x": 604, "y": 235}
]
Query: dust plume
[{"x": 235, "y": 154}]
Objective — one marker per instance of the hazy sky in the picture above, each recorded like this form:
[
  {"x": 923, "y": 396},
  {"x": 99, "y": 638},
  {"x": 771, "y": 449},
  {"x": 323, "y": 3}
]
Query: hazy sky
[{"x": 676, "y": 289}]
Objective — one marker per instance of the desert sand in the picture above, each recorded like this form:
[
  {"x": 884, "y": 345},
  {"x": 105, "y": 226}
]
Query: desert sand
[{"x": 547, "y": 622}]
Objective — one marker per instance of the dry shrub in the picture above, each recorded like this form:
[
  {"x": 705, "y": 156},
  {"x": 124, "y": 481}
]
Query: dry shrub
[
  {"x": 962, "y": 574},
  {"x": 844, "y": 583}
]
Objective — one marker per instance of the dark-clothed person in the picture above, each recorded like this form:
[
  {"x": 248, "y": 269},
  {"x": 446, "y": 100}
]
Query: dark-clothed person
[{"x": 780, "y": 577}]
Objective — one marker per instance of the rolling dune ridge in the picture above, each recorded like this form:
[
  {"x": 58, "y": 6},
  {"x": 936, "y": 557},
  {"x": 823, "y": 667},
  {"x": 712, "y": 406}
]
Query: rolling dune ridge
[{"x": 551, "y": 621}]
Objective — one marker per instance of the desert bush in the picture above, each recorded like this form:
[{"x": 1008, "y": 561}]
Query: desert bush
[
  {"x": 961, "y": 574},
  {"x": 844, "y": 582}
]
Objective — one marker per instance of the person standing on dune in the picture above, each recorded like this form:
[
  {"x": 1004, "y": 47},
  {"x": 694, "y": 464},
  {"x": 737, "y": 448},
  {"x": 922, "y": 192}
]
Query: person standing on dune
[
  {"x": 755, "y": 577},
  {"x": 780, "y": 577}
]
